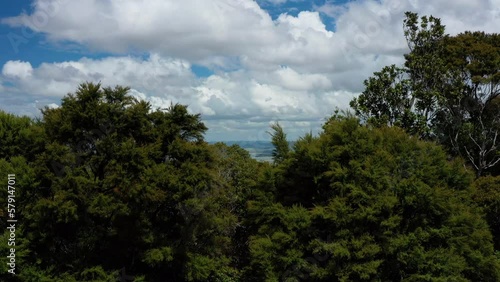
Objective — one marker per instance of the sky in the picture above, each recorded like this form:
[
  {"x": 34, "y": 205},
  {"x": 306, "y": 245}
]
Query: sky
[{"x": 241, "y": 64}]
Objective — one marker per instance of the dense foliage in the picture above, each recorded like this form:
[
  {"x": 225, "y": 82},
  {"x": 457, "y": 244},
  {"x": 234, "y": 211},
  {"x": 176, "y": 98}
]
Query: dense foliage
[
  {"x": 108, "y": 187},
  {"x": 448, "y": 91}
]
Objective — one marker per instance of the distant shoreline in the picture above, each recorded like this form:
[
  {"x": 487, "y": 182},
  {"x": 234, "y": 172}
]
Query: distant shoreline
[{"x": 259, "y": 150}]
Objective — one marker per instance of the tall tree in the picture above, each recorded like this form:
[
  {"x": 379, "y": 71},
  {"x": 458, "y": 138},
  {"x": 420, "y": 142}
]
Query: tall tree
[
  {"x": 469, "y": 118},
  {"x": 407, "y": 96},
  {"x": 375, "y": 205},
  {"x": 446, "y": 91},
  {"x": 129, "y": 187},
  {"x": 281, "y": 146}
]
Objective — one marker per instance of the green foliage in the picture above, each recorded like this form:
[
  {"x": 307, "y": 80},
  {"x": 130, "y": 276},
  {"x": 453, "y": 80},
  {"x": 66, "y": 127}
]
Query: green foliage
[
  {"x": 486, "y": 193},
  {"x": 97, "y": 274},
  {"x": 281, "y": 147},
  {"x": 453, "y": 100},
  {"x": 114, "y": 188},
  {"x": 155, "y": 257},
  {"x": 119, "y": 185},
  {"x": 408, "y": 96},
  {"x": 19, "y": 136},
  {"x": 375, "y": 204}
]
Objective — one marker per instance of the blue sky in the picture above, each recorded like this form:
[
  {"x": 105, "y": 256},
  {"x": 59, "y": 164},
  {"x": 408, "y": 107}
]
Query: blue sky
[
  {"x": 24, "y": 44},
  {"x": 242, "y": 64}
]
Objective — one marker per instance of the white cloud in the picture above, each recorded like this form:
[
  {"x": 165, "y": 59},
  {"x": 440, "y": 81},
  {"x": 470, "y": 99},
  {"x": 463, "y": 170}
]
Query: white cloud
[
  {"x": 225, "y": 33},
  {"x": 303, "y": 23},
  {"x": 53, "y": 106},
  {"x": 292, "y": 80},
  {"x": 192, "y": 29},
  {"x": 57, "y": 79},
  {"x": 239, "y": 96},
  {"x": 17, "y": 69},
  {"x": 291, "y": 69}
]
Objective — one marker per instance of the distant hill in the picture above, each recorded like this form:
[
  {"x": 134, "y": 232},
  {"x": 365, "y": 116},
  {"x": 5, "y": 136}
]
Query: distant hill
[{"x": 259, "y": 150}]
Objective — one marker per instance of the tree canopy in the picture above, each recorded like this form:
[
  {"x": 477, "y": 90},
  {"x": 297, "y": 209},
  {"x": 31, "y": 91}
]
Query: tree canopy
[
  {"x": 371, "y": 204},
  {"x": 447, "y": 91}
]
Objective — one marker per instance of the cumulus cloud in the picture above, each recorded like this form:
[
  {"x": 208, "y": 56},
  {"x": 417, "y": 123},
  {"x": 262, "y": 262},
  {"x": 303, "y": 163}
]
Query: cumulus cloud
[
  {"x": 52, "y": 106},
  {"x": 222, "y": 99},
  {"x": 292, "y": 69},
  {"x": 17, "y": 69},
  {"x": 57, "y": 79},
  {"x": 219, "y": 27},
  {"x": 292, "y": 80},
  {"x": 224, "y": 33}
]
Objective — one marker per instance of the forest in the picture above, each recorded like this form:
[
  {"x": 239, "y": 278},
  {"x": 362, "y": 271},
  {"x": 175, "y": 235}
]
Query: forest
[{"x": 405, "y": 186}]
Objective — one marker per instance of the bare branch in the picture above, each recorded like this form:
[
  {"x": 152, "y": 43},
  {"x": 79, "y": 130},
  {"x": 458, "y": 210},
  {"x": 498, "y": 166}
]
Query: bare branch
[
  {"x": 493, "y": 163},
  {"x": 475, "y": 142},
  {"x": 471, "y": 158}
]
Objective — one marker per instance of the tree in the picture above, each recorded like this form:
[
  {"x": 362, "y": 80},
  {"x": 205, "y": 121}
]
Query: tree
[
  {"x": 407, "y": 96},
  {"x": 447, "y": 91},
  {"x": 469, "y": 121},
  {"x": 384, "y": 206},
  {"x": 20, "y": 136},
  {"x": 126, "y": 186},
  {"x": 114, "y": 186},
  {"x": 243, "y": 179},
  {"x": 486, "y": 193},
  {"x": 281, "y": 147}
]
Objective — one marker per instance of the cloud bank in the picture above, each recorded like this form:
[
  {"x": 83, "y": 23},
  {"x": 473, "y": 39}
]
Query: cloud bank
[{"x": 290, "y": 68}]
